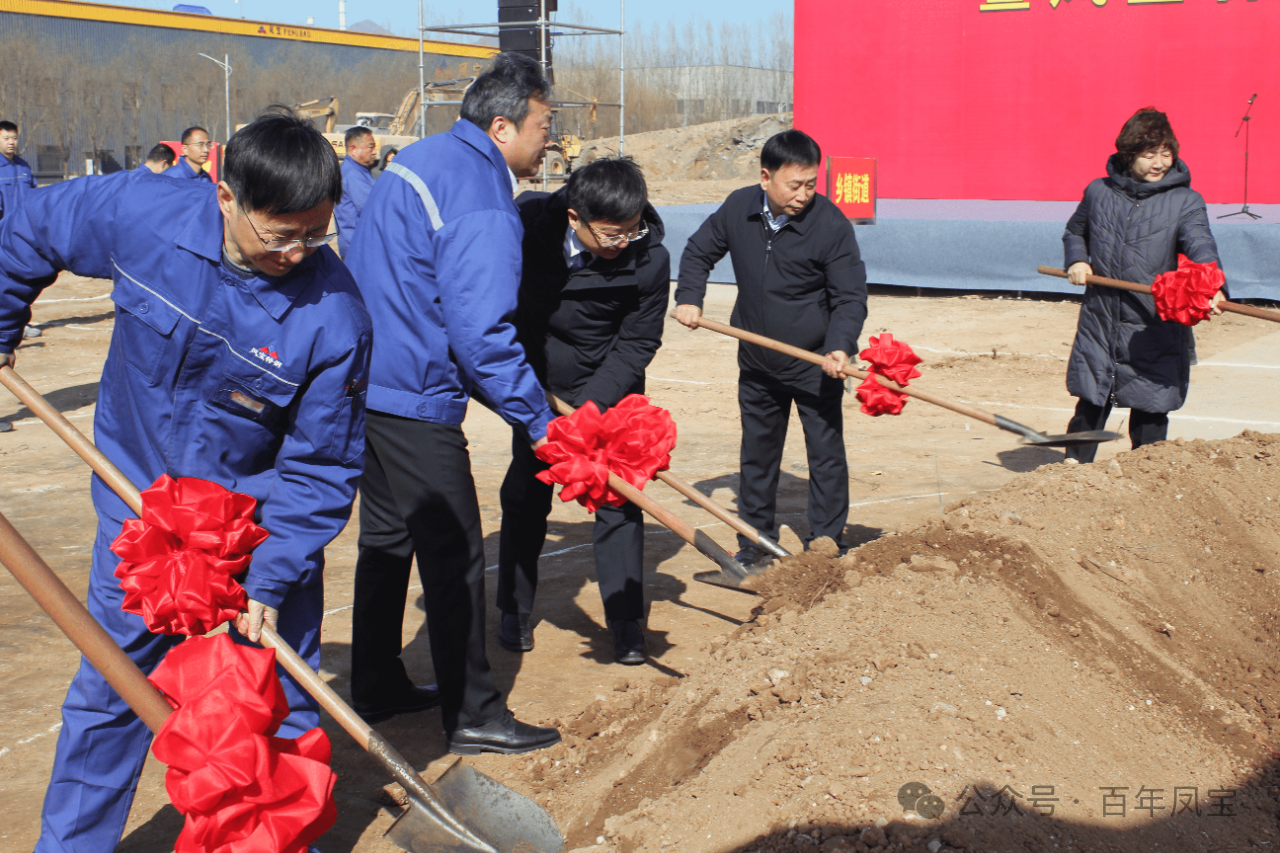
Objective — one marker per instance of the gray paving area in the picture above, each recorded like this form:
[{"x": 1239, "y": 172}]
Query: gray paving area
[{"x": 1235, "y": 390}]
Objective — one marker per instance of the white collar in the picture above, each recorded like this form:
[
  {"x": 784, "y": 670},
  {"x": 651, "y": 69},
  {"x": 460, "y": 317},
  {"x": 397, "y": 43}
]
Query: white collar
[
  {"x": 573, "y": 249},
  {"x": 515, "y": 182},
  {"x": 775, "y": 222}
]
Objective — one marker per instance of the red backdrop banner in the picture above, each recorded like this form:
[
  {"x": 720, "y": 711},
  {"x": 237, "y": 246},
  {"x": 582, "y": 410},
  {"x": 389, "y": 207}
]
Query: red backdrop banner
[{"x": 1022, "y": 99}]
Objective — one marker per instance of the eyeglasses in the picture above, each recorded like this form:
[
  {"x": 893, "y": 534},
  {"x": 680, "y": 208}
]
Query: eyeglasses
[
  {"x": 205, "y": 144},
  {"x": 277, "y": 245},
  {"x": 608, "y": 241}
]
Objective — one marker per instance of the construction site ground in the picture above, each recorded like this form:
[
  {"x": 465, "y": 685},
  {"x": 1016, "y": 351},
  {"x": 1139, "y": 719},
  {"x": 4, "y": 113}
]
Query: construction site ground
[{"x": 1066, "y": 657}]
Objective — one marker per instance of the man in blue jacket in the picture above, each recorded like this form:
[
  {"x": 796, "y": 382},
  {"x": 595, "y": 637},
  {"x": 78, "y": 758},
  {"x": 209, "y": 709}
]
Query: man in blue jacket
[
  {"x": 16, "y": 179},
  {"x": 240, "y": 356},
  {"x": 195, "y": 153},
  {"x": 437, "y": 256},
  {"x": 357, "y": 181}
]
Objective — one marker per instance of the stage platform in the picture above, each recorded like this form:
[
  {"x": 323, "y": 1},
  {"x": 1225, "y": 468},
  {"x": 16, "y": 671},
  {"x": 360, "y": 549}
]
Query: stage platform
[{"x": 996, "y": 245}]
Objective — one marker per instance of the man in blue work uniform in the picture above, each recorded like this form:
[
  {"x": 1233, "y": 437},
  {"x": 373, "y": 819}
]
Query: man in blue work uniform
[
  {"x": 357, "y": 181},
  {"x": 438, "y": 261},
  {"x": 16, "y": 179},
  {"x": 195, "y": 153},
  {"x": 240, "y": 356},
  {"x": 159, "y": 159}
]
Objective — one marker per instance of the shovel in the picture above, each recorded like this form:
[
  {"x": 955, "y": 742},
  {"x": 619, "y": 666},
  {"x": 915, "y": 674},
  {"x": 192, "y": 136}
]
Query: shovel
[
  {"x": 1233, "y": 307},
  {"x": 1029, "y": 435},
  {"x": 731, "y": 573},
  {"x": 464, "y": 811},
  {"x": 766, "y": 543}
]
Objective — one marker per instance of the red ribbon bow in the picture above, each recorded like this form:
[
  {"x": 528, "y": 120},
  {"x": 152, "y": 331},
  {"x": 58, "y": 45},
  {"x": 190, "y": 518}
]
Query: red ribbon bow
[
  {"x": 240, "y": 788},
  {"x": 179, "y": 559},
  {"x": 894, "y": 360},
  {"x": 633, "y": 440},
  {"x": 1185, "y": 295}
]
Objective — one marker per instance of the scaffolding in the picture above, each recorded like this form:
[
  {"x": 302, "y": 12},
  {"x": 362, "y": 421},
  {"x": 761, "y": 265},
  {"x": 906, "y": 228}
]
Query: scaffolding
[{"x": 546, "y": 29}]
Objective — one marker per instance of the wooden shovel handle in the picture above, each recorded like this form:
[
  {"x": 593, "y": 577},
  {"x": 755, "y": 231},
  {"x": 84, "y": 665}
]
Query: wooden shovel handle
[
  {"x": 682, "y": 487},
  {"x": 78, "y": 441},
  {"x": 813, "y": 358},
  {"x": 705, "y": 545},
  {"x": 1233, "y": 307},
  {"x": 76, "y": 622},
  {"x": 128, "y": 492}
]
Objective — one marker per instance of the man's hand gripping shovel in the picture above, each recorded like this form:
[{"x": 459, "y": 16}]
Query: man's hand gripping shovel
[{"x": 463, "y": 810}]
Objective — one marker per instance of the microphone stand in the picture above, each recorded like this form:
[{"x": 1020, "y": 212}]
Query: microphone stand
[{"x": 1244, "y": 123}]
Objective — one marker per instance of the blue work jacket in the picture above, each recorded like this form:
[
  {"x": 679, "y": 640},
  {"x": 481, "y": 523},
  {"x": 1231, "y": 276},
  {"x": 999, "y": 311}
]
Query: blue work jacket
[
  {"x": 357, "y": 181},
  {"x": 16, "y": 181},
  {"x": 437, "y": 256},
  {"x": 256, "y": 384},
  {"x": 182, "y": 170}
]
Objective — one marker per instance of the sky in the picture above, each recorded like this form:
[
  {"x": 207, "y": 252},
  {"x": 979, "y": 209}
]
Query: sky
[{"x": 402, "y": 15}]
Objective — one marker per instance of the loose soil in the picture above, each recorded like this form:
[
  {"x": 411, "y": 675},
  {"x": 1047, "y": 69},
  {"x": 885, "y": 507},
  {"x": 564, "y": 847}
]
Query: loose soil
[{"x": 1066, "y": 657}]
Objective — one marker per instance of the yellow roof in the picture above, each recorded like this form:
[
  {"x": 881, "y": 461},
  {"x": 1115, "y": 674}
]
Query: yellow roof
[{"x": 232, "y": 26}]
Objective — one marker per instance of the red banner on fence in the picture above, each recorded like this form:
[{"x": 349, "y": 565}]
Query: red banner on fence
[{"x": 851, "y": 184}]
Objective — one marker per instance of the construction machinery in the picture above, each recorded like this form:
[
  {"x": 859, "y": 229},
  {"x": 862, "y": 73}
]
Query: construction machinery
[{"x": 326, "y": 108}]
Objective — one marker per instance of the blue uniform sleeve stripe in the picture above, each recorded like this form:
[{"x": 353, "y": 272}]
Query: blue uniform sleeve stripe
[{"x": 433, "y": 212}]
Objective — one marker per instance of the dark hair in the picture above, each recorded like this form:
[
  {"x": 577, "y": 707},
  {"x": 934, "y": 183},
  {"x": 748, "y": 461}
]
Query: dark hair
[
  {"x": 1145, "y": 130},
  {"x": 280, "y": 164},
  {"x": 355, "y": 133},
  {"x": 607, "y": 190},
  {"x": 161, "y": 154},
  {"x": 387, "y": 153},
  {"x": 186, "y": 134},
  {"x": 8, "y": 125},
  {"x": 504, "y": 90},
  {"x": 789, "y": 147}
]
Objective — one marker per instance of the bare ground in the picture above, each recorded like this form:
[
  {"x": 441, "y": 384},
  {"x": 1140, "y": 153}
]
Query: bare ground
[{"x": 1059, "y": 635}]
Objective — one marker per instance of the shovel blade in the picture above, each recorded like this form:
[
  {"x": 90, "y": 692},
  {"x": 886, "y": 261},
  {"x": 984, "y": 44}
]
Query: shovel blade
[
  {"x": 494, "y": 819},
  {"x": 725, "y": 580},
  {"x": 1072, "y": 439}
]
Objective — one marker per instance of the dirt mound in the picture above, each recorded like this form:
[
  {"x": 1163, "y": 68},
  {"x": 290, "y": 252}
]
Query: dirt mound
[
  {"x": 1084, "y": 659},
  {"x": 719, "y": 150}
]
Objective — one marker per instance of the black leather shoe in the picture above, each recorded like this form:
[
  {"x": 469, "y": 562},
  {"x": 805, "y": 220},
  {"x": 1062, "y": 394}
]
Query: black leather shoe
[
  {"x": 751, "y": 555},
  {"x": 515, "y": 634},
  {"x": 413, "y": 699},
  {"x": 506, "y": 735},
  {"x": 628, "y": 642}
]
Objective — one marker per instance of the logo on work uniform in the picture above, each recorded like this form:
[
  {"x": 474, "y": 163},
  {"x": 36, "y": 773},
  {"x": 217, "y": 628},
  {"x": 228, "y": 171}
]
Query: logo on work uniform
[{"x": 267, "y": 355}]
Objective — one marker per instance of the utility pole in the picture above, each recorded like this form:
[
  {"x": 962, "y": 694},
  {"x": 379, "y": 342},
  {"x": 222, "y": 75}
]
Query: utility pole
[{"x": 225, "y": 62}]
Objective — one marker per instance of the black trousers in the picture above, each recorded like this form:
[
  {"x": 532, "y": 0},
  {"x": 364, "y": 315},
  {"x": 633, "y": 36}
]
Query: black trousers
[
  {"x": 1144, "y": 427},
  {"x": 417, "y": 497},
  {"x": 766, "y": 407},
  {"x": 618, "y": 541}
]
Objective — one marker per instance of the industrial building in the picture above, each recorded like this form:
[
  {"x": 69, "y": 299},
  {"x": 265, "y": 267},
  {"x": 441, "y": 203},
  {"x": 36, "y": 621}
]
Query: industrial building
[{"x": 102, "y": 83}]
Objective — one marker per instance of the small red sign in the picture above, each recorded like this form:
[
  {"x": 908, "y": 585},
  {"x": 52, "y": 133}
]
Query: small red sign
[{"x": 851, "y": 184}]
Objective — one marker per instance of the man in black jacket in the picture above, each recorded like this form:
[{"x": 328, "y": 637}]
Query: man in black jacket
[
  {"x": 592, "y": 295},
  {"x": 800, "y": 280}
]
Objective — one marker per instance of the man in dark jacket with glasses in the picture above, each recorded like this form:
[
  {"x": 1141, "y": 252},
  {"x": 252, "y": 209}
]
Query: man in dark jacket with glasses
[{"x": 592, "y": 295}]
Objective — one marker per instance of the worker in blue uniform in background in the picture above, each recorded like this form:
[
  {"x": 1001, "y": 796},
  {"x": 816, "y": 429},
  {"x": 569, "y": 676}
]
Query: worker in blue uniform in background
[
  {"x": 195, "y": 153},
  {"x": 240, "y": 355},
  {"x": 438, "y": 260},
  {"x": 357, "y": 180},
  {"x": 16, "y": 179}
]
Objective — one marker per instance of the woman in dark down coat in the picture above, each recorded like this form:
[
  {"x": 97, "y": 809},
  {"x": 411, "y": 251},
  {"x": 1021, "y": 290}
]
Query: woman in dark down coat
[{"x": 1132, "y": 225}]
